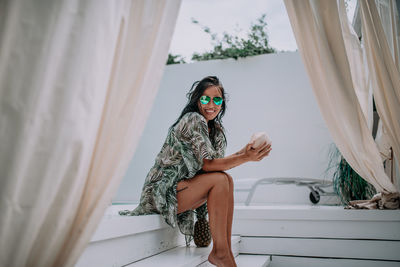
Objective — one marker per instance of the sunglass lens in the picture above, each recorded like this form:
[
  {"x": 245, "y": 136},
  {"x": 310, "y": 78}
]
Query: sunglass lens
[
  {"x": 204, "y": 99},
  {"x": 218, "y": 100}
]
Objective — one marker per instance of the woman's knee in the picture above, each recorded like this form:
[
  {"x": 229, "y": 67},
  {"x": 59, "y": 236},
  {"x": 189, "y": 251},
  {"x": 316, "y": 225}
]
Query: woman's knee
[
  {"x": 221, "y": 179},
  {"x": 229, "y": 177}
]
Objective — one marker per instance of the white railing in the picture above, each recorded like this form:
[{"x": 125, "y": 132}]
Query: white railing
[{"x": 315, "y": 186}]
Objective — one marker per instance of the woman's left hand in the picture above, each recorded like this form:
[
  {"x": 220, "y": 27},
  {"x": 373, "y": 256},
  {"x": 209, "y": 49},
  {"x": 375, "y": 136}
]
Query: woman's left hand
[
  {"x": 264, "y": 152},
  {"x": 257, "y": 154}
]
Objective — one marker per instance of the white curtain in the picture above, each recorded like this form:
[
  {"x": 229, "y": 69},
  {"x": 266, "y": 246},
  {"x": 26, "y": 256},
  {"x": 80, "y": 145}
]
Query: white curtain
[
  {"x": 77, "y": 81},
  {"x": 389, "y": 19},
  {"x": 317, "y": 26},
  {"x": 355, "y": 57},
  {"x": 381, "y": 50}
]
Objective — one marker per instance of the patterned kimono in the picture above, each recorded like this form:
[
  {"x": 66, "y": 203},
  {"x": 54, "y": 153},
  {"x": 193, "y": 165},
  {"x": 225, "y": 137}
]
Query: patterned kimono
[{"x": 181, "y": 157}]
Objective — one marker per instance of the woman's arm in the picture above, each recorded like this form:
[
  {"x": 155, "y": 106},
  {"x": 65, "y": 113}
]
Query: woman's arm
[
  {"x": 244, "y": 155},
  {"x": 241, "y": 151}
]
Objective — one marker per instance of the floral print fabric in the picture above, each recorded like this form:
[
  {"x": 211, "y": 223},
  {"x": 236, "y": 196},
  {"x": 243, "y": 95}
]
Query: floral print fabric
[{"x": 181, "y": 157}]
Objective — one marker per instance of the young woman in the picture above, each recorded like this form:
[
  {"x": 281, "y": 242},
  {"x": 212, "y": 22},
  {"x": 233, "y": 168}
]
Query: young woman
[{"x": 188, "y": 173}]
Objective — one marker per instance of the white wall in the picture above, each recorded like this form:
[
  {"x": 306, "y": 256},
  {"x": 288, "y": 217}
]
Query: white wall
[{"x": 268, "y": 93}]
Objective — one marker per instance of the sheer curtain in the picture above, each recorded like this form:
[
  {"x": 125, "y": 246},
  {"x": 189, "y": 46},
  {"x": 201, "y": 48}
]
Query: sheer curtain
[
  {"x": 77, "y": 81},
  {"x": 318, "y": 28},
  {"x": 382, "y": 54}
]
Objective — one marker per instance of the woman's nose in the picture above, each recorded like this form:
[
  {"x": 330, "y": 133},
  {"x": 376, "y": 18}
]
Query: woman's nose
[{"x": 211, "y": 104}]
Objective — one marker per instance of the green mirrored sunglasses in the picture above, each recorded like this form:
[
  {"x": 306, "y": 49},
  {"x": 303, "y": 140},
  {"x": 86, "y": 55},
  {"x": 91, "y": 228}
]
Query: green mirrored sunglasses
[{"x": 205, "y": 99}]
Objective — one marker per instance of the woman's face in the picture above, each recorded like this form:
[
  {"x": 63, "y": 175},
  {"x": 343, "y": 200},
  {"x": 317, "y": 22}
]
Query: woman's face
[{"x": 210, "y": 110}]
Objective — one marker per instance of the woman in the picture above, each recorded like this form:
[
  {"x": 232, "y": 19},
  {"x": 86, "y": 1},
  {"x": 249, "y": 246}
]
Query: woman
[{"x": 188, "y": 173}]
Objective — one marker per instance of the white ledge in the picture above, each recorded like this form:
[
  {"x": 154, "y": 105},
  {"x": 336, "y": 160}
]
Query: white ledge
[
  {"x": 314, "y": 212},
  {"x": 114, "y": 225}
]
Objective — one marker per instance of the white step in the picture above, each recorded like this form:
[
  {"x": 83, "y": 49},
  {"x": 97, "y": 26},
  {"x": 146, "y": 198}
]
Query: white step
[
  {"x": 244, "y": 260},
  {"x": 307, "y": 221},
  {"x": 182, "y": 256},
  {"x": 319, "y": 235},
  {"x": 322, "y": 247},
  {"x": 121, "y": 240},
  {"x": 285, "y": 261}
]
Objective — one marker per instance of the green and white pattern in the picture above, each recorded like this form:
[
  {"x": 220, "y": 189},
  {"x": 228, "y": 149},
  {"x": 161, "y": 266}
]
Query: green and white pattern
[{"x": 181, "y": 157}]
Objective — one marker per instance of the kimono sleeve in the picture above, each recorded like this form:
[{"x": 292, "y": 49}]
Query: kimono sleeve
[{"x": 192, "y": 131}]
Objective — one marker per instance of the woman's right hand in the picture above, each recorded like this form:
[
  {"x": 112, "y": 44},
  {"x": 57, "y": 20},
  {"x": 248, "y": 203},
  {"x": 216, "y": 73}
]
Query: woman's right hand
[{"x": 257, "y": 154}]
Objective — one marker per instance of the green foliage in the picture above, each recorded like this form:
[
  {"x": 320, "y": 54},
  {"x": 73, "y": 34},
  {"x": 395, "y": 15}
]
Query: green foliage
[
  {"x": 231, "y": 46},
  {"x": 346, "y": 182},
  {"x": 175, "y": 59}
]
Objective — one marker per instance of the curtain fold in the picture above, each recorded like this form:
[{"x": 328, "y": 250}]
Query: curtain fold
[
  {"x": 77, "y": 81},
  {"x": 389, "y": 19},
  {"x": 395, "y": 32},
  {"x": 355, "y": 57},
  {"x": 384, "y": 74},
  {"x": 317, "y": 26}
]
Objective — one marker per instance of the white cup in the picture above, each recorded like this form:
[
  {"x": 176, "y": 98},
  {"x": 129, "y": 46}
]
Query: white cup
[{"x": 259, "y": 139}]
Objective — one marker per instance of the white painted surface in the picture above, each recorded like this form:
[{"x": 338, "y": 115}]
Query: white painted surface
[
  {"x": 244, "y": 260},
  {"x": 120, "y": 240},
  {"x": 183, "y": 256},
  {"x": 253, "y": 260},
  {"x": 113, "y": 225},
  {"x": 283, "y": 261},
  {"x": 315, "y": 212},
  {"x": 316, "y": 222},
  {"x": 126, "y": 249},
  {"x": 268, "y": 93},
  {"x": 318, "y": 231},
  {"x": 319, "y": 247},
  {"x": 305, "y": 231}
]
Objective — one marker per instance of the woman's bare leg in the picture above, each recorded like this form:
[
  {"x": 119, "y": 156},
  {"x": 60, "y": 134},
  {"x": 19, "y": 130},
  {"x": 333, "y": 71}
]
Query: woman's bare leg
[
  {"x": 213, "y": 187},
  {"x": 230, "y": 216}
]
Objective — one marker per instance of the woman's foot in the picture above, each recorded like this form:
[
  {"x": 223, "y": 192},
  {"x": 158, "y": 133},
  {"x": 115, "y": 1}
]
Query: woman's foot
[
  {"x": 232, "y": 258},
  {"x": 230, "y": 254},
  {"x": 221, "y": 259}
]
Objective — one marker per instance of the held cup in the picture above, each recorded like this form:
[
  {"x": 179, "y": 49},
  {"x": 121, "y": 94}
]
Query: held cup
[{"x": 259, "y": 139}]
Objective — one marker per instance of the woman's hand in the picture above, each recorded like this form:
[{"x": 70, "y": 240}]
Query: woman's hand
[
  {"x": 244, "y": 155},
  {"x": 241, "y": 151},
  {"x": 257, "y": 154}
]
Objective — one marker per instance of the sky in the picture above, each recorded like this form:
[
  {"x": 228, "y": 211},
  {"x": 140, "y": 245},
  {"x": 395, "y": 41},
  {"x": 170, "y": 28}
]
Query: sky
[{"x": 228, "y": 16}]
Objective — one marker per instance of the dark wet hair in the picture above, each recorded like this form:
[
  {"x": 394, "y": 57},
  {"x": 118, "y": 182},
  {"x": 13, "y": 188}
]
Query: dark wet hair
[{"x": 196, "y": 91}]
